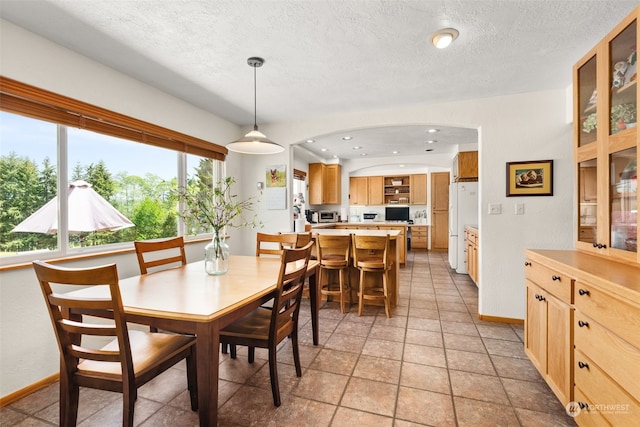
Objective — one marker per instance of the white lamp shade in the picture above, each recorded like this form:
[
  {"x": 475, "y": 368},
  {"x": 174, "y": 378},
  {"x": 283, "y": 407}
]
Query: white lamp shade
[{"x": 255, "y": 142}]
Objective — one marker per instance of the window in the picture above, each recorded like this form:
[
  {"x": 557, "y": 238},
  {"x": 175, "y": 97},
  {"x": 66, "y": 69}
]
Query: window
[{"x": 41, "y": 154}]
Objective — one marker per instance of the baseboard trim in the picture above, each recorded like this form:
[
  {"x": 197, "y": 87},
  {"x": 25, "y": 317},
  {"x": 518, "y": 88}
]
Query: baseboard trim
[
  {"x": 32, "y": 388},
  {"x": 501, "y": 319}
]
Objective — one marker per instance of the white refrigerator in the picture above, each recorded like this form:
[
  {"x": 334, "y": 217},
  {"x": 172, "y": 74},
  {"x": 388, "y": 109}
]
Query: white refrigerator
[{"x": 463, "y": 210}]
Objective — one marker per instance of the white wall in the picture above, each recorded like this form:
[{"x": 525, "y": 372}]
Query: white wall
[{"x": 522, "y": 127}]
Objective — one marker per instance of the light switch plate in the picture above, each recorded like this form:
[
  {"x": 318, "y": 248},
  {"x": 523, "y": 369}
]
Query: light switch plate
[
  {"x": 495, "y": 208},
  {"x": 519, "y": 208}
]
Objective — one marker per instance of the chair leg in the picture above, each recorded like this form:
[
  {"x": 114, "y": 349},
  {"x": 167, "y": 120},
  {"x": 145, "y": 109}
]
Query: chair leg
[
  {"x": 128, "y": 405},
  {"x": 273, "y": 373},
  {"x": 225, "y": 348},
  {"x": 233, "y": 351},
  {"x": 296, "y": 352},
  {"x": 69, "y": 395},
  {"x": 192, "y": 379},
  {"x": 252, "y": 354}
]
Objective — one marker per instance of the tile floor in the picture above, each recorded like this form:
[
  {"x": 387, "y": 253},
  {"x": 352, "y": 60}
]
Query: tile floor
[{"x": 434, "y": 363}]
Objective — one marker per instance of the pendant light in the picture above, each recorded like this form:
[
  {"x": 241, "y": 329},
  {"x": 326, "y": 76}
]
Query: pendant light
[{"x": 255, "y": 142}]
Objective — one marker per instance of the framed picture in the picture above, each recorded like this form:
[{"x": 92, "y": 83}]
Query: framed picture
[{"x": 533, "y": 178}]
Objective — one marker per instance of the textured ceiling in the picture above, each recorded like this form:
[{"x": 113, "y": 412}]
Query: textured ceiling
[{"x": 328, "y": 57}]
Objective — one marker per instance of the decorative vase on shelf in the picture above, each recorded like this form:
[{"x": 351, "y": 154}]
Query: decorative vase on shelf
[{"x": 216, "y": 255}]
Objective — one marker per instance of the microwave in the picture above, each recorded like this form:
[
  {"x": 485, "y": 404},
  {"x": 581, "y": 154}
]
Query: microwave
[{"x": 328, "y": 216}]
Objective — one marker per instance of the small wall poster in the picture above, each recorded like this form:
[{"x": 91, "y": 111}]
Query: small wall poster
[{"x": 276, "y": 183}]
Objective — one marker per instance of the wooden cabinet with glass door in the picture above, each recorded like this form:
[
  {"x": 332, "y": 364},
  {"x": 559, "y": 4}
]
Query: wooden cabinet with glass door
[{"x": 607, "y": 144}]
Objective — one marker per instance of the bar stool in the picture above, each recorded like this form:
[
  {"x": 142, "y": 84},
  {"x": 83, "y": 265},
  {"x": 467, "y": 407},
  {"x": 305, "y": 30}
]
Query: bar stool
[
  {"x": 333, "y": 255},
  {"x": 370, "y": 255}
]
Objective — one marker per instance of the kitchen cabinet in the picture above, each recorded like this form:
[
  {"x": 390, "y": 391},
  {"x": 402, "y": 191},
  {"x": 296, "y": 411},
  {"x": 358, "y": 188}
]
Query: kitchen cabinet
[
  {"x": 419, "y": 237},
  {"x": 465, "y": 166},
  {"x": 418, "y": 184},
  {"x": 471, "y": 252},
  {"x": 581, "y": 332},
  {"x": 366, "y": 190},
  {"x": 359, "y": 190},
  {"x": 324, "y": 184},
  {"x": 376, "y": 190},
  {"x": 606, "y": 144},
  {"x": 548, "y": 326}
]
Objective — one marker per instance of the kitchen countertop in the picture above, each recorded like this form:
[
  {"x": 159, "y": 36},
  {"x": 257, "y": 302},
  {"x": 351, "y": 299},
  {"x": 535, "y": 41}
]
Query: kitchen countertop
[{"x": 333, "y": 224}]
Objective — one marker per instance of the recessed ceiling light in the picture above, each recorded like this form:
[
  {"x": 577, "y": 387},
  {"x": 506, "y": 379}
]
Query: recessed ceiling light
[
  {"x": 347, "y": 138},
  {"x": 335, "y": 156},
  {"x": 363, "y": 154},
  {"x": 394, "y": 152},
  {"x": 432, "y": 130},
  {"x": 310, "y": 141},
  {"x": 443, "y": 38},
  {"x": 323, "y": 149},
  {"x": 431, "y": 141},
  {"x": 357, "y": 147},
  {"x": 401, "y": 166}
]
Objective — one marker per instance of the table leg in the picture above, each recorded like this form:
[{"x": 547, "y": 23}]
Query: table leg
[
  {"x": 207, "y": 349},
  {"x": 314, "y": 299}
]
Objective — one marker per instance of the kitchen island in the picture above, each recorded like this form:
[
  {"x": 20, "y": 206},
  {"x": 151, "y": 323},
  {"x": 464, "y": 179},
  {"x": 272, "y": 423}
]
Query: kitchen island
[
  {"x": 394, "y": 255},
  {"x": 373, "y": 225}
]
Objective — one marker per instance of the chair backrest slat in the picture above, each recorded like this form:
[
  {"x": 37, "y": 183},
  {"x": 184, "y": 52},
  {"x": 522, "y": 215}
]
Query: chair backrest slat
[
  {"x": 333, "y": 245},
  {"x": 156, "y": 253}
]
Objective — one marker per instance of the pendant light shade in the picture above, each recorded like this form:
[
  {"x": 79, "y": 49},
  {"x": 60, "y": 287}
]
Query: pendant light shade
[{"x": 255, "y": 142}]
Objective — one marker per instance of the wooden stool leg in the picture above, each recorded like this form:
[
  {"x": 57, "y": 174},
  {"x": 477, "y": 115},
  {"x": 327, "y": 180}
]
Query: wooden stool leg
[
  {"x": 341, "y": 279},
  {"x": 387, "y": 305},
  {"x": 361, "y": 294}
]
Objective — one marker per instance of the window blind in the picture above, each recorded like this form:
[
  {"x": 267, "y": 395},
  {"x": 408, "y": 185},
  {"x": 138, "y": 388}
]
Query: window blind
[{"x": 30, "y": 101}]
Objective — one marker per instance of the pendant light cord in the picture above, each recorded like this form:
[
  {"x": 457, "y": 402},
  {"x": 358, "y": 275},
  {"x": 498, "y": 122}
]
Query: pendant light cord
[{"x": 255, "y": 100}]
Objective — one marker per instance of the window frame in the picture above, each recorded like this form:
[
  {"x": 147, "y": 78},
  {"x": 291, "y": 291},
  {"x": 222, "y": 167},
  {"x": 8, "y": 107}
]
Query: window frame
[{"x": 26, "y": 100}]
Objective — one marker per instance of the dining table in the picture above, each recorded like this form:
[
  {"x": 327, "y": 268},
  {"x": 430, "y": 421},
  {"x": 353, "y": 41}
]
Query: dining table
[{"x": 188, "y": 300}]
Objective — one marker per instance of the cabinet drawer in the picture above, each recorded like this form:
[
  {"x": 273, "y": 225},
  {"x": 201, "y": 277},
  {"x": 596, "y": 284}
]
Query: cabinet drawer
[
  {"x": 618, "y": 358},
  {"x": 604, "y": 396},
  {"x": 585, "y": 417},
  {"x": 610, "y": 311},
  {"x": 552, "y": 281}
]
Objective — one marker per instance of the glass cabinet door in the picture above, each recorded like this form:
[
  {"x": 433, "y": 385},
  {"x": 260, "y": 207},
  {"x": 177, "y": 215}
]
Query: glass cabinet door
[
  {"x": 588, "y": 198},
  {"x": 587, "y": 102},
  {"x": 624, "y": 66},
  {"x": 624, "y": 200}
]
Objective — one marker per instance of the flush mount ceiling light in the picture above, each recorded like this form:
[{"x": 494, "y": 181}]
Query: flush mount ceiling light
[
  {"x": 347, "y": 138},
  {"x": 255, "y": 142},
  {"x": 443, "y": 38},
  {"x": 432, "y": 130}
]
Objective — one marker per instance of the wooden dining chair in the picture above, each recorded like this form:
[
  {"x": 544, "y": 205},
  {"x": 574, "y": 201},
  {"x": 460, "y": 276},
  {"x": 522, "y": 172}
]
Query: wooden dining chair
[
  {"x": 273, "y": 244},
  {"x": 160, "y": 253},
  {"x": 267, "y": 328},
  {"x": 371, "y": 256},
  {"x": 129, "y": 360},
  {"x": 153, "y": 254},
  {"x": 334, "y": 254}
]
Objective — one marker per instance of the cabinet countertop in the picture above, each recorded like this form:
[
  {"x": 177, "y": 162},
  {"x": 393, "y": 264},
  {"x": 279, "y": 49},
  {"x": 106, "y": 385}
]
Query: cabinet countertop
[{"x": 619, "y": 278}]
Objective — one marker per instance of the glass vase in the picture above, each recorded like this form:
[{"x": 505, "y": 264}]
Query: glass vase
[{"x": 216, "y": 255}]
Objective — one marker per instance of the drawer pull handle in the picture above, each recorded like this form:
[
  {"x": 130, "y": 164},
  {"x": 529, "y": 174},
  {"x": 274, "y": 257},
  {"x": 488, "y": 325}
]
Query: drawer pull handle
[
  {"x": 538, "y": 297},
  {"x": 555, "y": 278},
  {"x": 583, "y": 405},
  {"x": 583, "y": 365},
  {"x": 583, "y": 324},
  {"x": 527, "y": 264},
  {"x": 584, "y": 292}
]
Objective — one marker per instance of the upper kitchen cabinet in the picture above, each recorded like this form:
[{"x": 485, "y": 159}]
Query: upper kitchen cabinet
[
  {"x": 465, "y": 166},
  {"x": 418, "y": 189},
  {"x": 359, "y": 190},
  {"x": 324, "y": 184},
  {"x": 376, "y": 190},
  {"x": 606, "y": 144}
]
